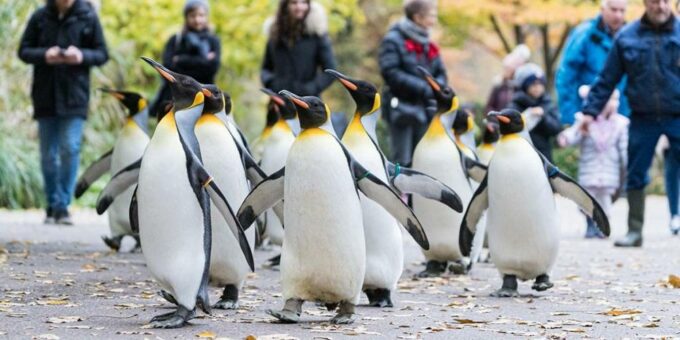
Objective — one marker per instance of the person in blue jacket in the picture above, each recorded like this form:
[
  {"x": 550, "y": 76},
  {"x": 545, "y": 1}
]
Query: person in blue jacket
[
  {"x": 584, "y": 57},
  {"x": 647, "y": 51}
]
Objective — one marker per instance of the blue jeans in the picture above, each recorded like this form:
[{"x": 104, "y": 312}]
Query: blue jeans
[
  {"x": 672, "y": 181},
  {"x": 60, "y": 139},
  {"x": 644, "y": 133}
]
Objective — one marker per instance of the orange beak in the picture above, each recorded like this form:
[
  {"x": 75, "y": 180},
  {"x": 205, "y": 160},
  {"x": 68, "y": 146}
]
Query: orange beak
[
  {"x": 503, "y": 119},
  {"x": 207, "y": 93}
]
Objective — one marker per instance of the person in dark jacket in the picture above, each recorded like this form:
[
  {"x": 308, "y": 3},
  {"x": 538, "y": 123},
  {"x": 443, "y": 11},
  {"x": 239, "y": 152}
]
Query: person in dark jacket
[
  {"x": 194, "y": 51},
  {"x": 531, "y": 98},
  {"x": 298, "y": 49},
  {"x": 502, "y": 92},
  {"x": 406, "y": 46},
  {"x": 62, "y": 40},
  {"x": 647, "y": 51}
]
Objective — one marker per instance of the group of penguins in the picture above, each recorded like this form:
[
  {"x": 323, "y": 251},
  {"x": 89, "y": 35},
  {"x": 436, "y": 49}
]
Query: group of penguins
[{"x": 191, "y": 193}]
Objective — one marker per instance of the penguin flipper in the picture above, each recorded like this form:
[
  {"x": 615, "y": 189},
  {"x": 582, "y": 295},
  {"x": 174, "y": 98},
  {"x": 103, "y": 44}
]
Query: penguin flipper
[
  {"x": 264, "y": 196},
  {"x": 134, "y": 213},
  {"x": 478, "y": 204},
  {"x": 118, "y": 183},
  {"x": 568, "y": 188},
  {"x": 474, "y": 169},
  {"x": 410, "y": 181},
  {"x": 93, "y": 172}
]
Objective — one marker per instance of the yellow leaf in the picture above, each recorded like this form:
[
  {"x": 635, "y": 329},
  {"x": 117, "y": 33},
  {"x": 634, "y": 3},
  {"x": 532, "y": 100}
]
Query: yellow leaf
[
  {"x": 206, "y": 335},
  {"x": 251, "y": 337},
  {"x": 674, "y": 281},
  {"x": 468, "y": 321},
  {"x": 619, "y": 312}
]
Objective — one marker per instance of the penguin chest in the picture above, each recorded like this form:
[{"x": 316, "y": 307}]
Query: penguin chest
[
  {"x": 522, "y": 218},
  {"x": 439, "y": 158},
  {"x": 276, "y": 148},
  {"x": 323, "y": 256}
]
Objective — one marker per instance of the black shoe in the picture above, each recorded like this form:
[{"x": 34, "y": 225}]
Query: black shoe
[
  {"x": 63, "y": 217},
  {"x": 632, "y": 239},
  {"x": 49, "y": 216}
]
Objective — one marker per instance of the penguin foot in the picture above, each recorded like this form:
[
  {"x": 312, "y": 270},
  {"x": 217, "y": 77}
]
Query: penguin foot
[
  {"x": 274, "y": 261},
  {"x": 175, "y": 319},
  {"x": 290, "y": 313},
  {"x": 433, "y": 269},
  {"x": 345, "y": 314},
  {"x": 458, "y": 268},
  {"x": 542, "y": 283},
  {"x": 138, "y": 245},
  {"x": 379, "y": 297},
  {"x": 509, "y": 288},
  {"x": 331, "y": 306},
  {"x": 229, "y": 298},
  {"x": 113, "y": 242},
  {"x": 168, "y": 297}
]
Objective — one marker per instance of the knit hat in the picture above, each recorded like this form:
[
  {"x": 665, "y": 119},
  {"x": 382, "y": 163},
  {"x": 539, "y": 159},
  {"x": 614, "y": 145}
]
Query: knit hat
[
  {"x": 191, "y": 4},
  {"x": 527, "y": 74}
]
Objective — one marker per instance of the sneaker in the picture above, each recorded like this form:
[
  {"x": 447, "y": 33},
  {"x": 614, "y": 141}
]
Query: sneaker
[
  {"x": 675, "y": 224},
  {"x": 49, "y": 216},
  {"x": 63, "y": 217}
]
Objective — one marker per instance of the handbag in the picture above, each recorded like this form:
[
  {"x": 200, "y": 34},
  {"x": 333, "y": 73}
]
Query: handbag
[{"x": 403, "y": 113}]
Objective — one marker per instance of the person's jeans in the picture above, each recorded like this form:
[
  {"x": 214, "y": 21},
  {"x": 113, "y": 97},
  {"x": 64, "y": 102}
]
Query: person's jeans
[
  {"x": 672, "y": 181},
  {"x": 60, "y": 139},
  {"x": 404, "y": 139},
  {"x": 644, "y": 133}
]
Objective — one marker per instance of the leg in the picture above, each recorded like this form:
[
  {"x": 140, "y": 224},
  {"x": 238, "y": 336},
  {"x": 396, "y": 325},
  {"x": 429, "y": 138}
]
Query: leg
[
  {"x": 542, "y": 283},
  {"x": 401, "y": 142},
  {"x": 433, "y": 269},
  {"x": 229, "y": 298},
  {"x": 138, "y": 244},
  {"x": 70, "y": 138},
  {"x": 290, "y": 313},
  {"x": 379, "y": 297},
  {"x": 175, "y": 319},
  {"x": 274, "y": 261},
  {"x": 113, "y": 242},
  {"x": 509, "y": 288},
  {"x": 345, "y": 314},
  {"x": 167, "y": 296},
  {"x": 49, "y": 163},
  {"x": 672, "y": 180}
]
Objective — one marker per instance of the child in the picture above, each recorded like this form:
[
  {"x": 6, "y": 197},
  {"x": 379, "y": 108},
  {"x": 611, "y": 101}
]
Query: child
[
  {"x": 531, "y": 98},
  {"x": 603, "y": 154}
]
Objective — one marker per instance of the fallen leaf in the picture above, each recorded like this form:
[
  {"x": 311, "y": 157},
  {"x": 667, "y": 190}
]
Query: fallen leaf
[
  {"x": 674, "y": 281},
  {"x": 64, "y": 319},
  {"x": 207, "y": 335},
  {"x": 251, "y": 337},
  {"x": 619, "y": 312},
  {"x": 128, "y": 305},
  {"x": 468, "y": 321}
]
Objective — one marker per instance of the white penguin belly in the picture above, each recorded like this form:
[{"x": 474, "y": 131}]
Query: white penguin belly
[
  {"x": 129, "y": 148},
  {"x": 439, "y": 158},
  {"x": 384, "y": 252},
  {"x": 523, "y": 225},
  {"x": 222, "y": 160},
  {"x": 323, "y": 256},
  {"x": 274, "y": 155},
  {"x": 170, "y": 218}
]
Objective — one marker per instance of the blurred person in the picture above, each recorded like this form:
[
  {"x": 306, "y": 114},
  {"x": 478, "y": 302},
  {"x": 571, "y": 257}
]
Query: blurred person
[
  {"x": 501, "y": 93},
  {"x": 671, "y": 166},
  {"x": 63, "y": 41}
]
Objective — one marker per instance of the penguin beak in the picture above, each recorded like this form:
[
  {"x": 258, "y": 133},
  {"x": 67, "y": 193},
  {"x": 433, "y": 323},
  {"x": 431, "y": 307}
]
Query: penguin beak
[
  {"x": 275, "y": 97},
  {"x": 296, "y": 99},
  {"x": 343, "y": 79},
  {"x": 164, "y": 72},
  {"x": 115, "y": 94},
  {"x": 503, "y": 119},
  {"x": 207, "y": 93},
  {"x": 489, "y": 127},
  {"x": 430, "y": 80}
]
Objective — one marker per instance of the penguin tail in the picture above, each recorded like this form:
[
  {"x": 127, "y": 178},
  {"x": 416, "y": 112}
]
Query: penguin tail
[{"x": 203, "y": 300}]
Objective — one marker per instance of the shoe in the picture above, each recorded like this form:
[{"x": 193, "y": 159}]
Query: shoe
[
  {"x": 49, "y": 216},
  {"x": 675, "y": 224},
  {"x": 636, "y": 213},
  {"x": 63, "y": 217},
  {"x": 593, "y": 231},
  {"x": 632, "y": 239}
]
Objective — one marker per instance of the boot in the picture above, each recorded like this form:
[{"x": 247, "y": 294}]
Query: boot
[{"x": 636, "y": 214}]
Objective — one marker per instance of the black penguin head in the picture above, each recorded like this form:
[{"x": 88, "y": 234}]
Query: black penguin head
[
  {"x": 312, "y": 112},
  {"x": 184, "y": 88},
  {"x": 282, "y": 106},
  {"x": 464, "y": 122},
  {"x": 491, "y": 132},
  {"x": 510, "y": 121},
  {"x": 133, "y": 101},
  {"x": 446, "y": 98},
  {"x": 365, "y": 94},
  {"x": 214, "y": 102}
]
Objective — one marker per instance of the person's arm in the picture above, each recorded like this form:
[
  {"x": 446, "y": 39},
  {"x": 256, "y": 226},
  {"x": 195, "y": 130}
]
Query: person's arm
[
  {"x": 492, "y": 102},
  {"x": 605, "y": 83},
  {"x": 325, "y": 60},
  {"x": 29, "y": 51},
  {"x": 95, "y": 54},
  {"x": 401, "y": 83},
  {"x": 567, "y": 81},
  {"x": 169, "y": 52},
  {"x": 550, "y": 124},
  {"x": 267, "y": 71},
  {"x": 440, "y": 71}
]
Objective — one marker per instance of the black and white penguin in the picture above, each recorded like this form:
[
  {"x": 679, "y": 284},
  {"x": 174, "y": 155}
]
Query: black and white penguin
[
  {"x": 323, "y": 257},
  {"x": 523, "y": 226},
  {"x": 130, "y": 145}
]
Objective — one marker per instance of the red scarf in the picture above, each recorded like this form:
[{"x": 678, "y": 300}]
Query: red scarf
[{"x": 413, "y": 46}]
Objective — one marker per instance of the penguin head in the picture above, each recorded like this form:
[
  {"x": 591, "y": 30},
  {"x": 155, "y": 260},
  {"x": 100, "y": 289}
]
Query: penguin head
[
  {"x": 214, "y": 103},
  {"x": 464, "y": 122},
  {"x": 491, "y": 132},
  {"x": 446, "y": 98},
  {"x": 281, "y": 105},
  {"x": 133, "y": 101},
  {"x": 365, "y": 94},
  {"x": 510, "y": 121},
  {"x": 186, "y": 91},
  {"x": 312, "y": 112}
]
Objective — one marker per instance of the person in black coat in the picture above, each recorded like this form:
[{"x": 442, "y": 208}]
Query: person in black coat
[
  {"x": 531, "y": 98},
  {"x": 62, "y": 40},
  {"x": 194, "y": 51},
  {"x": 406, "y": 46},
  {"x": 298, "y": 49}
]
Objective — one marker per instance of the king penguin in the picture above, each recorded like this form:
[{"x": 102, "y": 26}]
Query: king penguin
[
  {"x": 384, "y": 247},
  {"x": 323, "y": 256},
  {"x": 463, "y": 131},
  {"x": 438, "y": 155},
  {"x": 130, "y": 145},
  {"x": 523, "y": 227},
  {"x": 172, "y": 204},
  {"x": 490, "y": 136}
]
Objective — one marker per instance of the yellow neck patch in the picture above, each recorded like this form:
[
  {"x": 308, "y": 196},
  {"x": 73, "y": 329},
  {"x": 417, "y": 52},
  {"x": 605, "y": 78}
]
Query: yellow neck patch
[
  {"x": 282, "y": 125},
  {"x": 510, "y": 136},
  {"x": 455, "y": 104},
  {"x": 199, "y": 98},
  {"x": 436, "y": 129},
  {"x": 168, "y": 121},
  {"x": 376, "y": 103},
  {"x": 141, "y": 104},
  {"x": 208, "y": 119},
  {"x": 312, "y": 132}
]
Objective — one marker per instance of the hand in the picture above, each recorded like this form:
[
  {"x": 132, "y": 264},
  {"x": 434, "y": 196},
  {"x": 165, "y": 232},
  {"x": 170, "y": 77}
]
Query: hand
[
  {"x": 537, "y": 111},
  {"x": 211, "y": 55},
  {"x": 53, "y": 56},
  {"x": 73, "y": 55},
  {"x": 562, "y": 140},
  {"x": 585, "y": 122}
]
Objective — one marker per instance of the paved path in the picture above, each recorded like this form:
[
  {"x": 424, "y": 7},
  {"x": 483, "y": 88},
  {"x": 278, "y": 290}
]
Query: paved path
[{"x": 60, "y": 282}]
